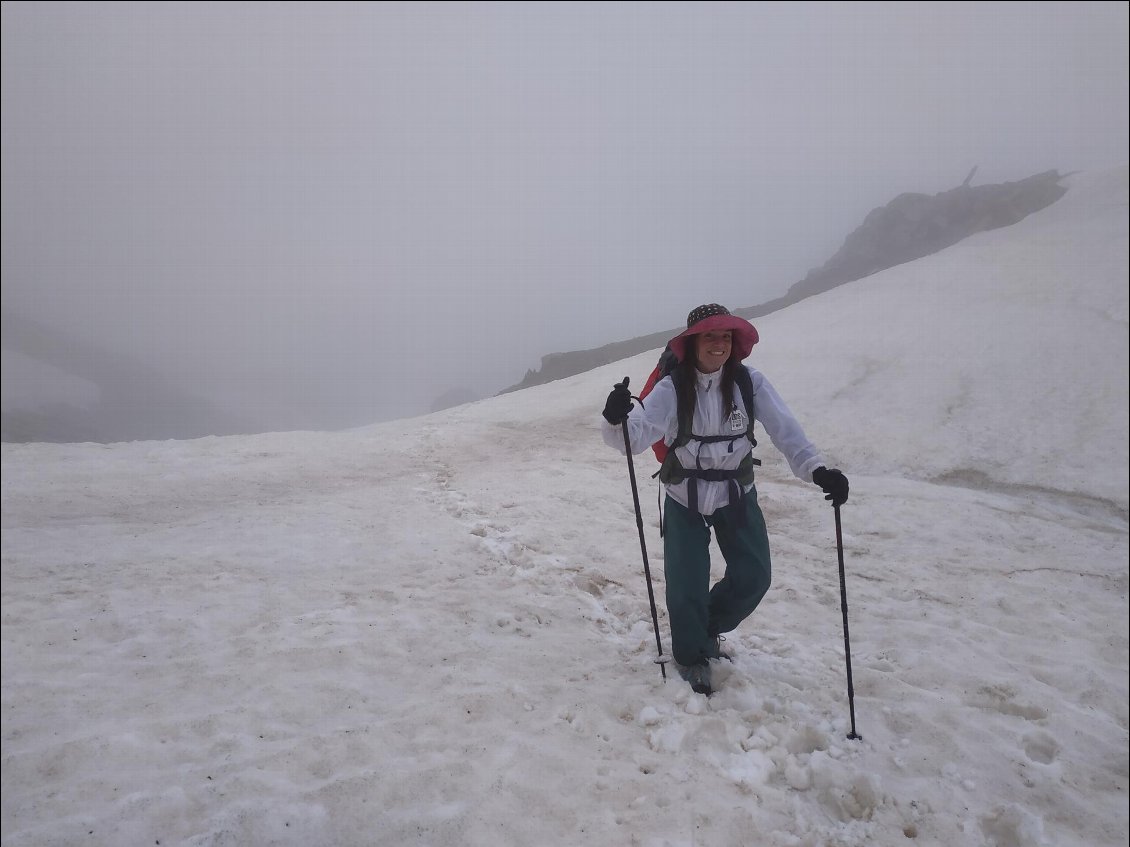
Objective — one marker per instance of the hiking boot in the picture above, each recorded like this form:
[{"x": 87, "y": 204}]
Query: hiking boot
[
  {"x": 698, "y": 676},
  {"x": 716, "y": 650}
]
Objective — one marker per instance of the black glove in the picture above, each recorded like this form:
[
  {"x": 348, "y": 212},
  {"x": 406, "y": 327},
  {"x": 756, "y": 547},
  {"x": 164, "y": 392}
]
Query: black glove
[
  {"x": 834, "y": 483},
  {"x": 619, "y": 404}
]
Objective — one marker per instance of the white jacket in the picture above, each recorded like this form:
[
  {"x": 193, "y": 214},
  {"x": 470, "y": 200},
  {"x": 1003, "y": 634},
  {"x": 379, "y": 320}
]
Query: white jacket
[{"x": 659, "y": 419}]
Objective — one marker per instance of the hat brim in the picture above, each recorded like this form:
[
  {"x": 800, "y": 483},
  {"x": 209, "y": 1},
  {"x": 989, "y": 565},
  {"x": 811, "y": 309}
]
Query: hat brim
[{"x": 745, "y": 335}]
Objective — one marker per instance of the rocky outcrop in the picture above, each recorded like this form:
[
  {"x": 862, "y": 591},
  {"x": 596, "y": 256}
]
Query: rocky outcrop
[
  {"x": 915, "y": 225},
  {"x": 909, "y": 227}
]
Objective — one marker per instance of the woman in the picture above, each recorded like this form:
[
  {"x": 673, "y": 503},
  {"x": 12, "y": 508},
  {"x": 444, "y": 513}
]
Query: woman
[{"x": 708, "y": 475}]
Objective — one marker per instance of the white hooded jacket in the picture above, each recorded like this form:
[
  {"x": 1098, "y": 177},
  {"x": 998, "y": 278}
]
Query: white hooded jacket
[{"x": 659, "y": 419}]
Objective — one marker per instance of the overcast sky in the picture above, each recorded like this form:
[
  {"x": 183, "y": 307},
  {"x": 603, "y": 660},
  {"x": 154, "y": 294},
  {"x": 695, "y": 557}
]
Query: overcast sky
[{"x": 354, "y": 207}]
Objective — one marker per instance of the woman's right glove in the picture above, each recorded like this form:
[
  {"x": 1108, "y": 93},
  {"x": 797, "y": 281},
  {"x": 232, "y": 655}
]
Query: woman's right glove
[
  {"x": 834, "y": 483},
  {"x": 619, "y": 404}
]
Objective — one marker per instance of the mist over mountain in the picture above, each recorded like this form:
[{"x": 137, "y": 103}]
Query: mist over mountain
[
  {"x": 455, "y": 397},
  {"x": 321, "y": 216},
  {"x": 58, "y": 388},
  {"x": 909, "y": 227}
]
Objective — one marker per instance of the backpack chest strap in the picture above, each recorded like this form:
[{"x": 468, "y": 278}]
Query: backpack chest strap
[
  {"x": 717, "y": 439},
  {"x": 672, "y": 472}
]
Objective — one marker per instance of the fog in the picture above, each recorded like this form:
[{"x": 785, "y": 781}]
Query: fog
[{"x": 327, "y": 215}]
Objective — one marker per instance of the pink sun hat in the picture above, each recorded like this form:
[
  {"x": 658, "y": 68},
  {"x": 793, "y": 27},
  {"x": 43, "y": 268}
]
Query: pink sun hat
[{"x": 715, "y": 317}]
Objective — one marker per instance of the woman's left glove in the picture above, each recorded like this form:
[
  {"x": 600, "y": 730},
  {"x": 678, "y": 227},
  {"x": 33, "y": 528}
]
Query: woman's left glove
[
  {"x": 619, "y": 404},
  {"x": 834, "y": 483}
]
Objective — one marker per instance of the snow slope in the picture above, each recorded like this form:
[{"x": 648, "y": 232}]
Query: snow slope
[{"x": 436, "y": 631}]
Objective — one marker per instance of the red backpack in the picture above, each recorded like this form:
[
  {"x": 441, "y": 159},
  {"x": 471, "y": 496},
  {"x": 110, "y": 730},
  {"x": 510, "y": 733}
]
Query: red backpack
[{"x": 667, "y": 364}]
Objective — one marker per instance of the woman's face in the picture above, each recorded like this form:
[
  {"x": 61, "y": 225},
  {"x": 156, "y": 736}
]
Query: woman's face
[{"x": 712, "y": 349}]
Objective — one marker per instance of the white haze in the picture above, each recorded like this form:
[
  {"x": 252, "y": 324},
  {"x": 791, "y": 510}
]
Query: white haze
[
  {"x": 330, "y": 214},
  {"x": 436, "y": 631}
]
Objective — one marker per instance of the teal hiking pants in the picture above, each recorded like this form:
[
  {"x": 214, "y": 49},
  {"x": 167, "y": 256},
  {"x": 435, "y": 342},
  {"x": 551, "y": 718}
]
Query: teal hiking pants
[{"x": 698, "y": 612}]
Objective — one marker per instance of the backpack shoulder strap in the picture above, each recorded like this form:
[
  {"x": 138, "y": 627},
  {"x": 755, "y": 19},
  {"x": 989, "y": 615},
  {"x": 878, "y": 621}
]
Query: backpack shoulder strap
[{"x": 745, "y": 385}]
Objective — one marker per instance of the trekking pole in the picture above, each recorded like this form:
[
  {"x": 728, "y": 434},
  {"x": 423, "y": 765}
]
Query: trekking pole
[
  {"x": 662, "y": 662},
  {"x": 843, "y": 607}
]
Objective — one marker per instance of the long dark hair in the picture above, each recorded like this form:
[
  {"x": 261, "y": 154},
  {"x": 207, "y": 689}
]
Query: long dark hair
[{"x": 685, "y": 381}]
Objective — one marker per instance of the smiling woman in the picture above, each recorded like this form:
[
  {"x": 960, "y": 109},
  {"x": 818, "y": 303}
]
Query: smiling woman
[{"x": 708, "y": 474}]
